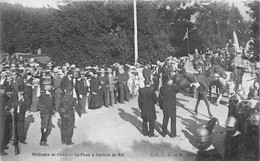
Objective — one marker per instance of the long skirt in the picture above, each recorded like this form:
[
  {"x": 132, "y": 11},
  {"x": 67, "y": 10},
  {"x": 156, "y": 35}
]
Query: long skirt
[{"x": 94, "y": 101}]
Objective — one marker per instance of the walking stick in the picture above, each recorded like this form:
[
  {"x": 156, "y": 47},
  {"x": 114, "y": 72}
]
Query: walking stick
[{"x": 15, "y": 141}]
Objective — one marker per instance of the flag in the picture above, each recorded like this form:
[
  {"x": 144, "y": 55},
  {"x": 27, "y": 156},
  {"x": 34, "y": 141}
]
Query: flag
[
  {"x": 235, "y": 41},
  {"x": 186, "y": 35}
]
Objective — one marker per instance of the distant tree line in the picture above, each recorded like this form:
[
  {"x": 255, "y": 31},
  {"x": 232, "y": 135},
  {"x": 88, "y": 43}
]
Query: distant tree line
[{"x": 99, "y": 32}]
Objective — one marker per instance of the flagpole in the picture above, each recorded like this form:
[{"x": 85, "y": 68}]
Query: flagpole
[{"x": 135, "y": 32}]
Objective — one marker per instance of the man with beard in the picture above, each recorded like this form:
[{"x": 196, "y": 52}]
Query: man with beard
[
  {"x": 67, "y": 81},
  {"x": 67, "y": 115}
]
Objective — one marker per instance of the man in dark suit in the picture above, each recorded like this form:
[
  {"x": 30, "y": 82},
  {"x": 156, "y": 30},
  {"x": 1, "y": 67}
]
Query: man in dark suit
[
  {"x": 81, "y": 90},
  {"x": 104, "y": 90},
  {"x": 67, "y": 81},
  {"x": 18, "y": 106},
  {"x": 167, "y": 103},
  {"x": 147, "y": 100},
  {"x": 4, "y": 122},
  {"x": 67, "y": 115}
]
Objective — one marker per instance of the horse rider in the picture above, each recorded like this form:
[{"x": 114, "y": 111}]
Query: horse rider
[
  {"x": 239, "y": 66},
  {"x": 189, "y": 72}
]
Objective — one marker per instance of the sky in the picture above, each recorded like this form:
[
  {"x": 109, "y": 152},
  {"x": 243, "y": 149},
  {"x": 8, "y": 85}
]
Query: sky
[{"x": 53, "y": 3}]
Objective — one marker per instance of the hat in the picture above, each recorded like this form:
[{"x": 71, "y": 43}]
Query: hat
[
  {"x": 67, "y": 65},
  {"x": 73, "y": 66},
  {"x": 109, "y": 70},
  {"x": 203, "y": 135},
  {"x": 60, "y": 71},
  {"x": 102, "y": 70},
  {"x": 47, "y": 82},
  {"x": 55, "y": 70}
]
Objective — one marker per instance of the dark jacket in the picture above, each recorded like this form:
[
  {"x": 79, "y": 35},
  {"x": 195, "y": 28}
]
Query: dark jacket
[
  {"x": 65, "y": 82},
  {"x": 147, "y": 100},
  {"x": 167, "y": 100},
  {"x": 45, "y": 104},
  {"x": 67, "y": 105},
  {"x": 81, "y": 87}
]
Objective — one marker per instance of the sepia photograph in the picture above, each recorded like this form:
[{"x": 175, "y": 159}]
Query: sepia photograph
[{"x": 129, "y": 80}]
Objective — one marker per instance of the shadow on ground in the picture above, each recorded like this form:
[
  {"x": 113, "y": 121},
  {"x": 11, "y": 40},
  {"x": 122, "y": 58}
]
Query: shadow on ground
[
  {"x": 157, "y": 125},
  {"x": 131, "y": 119}
]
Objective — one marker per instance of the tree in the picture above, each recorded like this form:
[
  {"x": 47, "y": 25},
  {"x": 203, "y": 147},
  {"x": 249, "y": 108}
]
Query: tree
[
  {"x": 254, "y": 28},
  {"x": 217, "y": 21},
  {"x": 22, "y": 27}
]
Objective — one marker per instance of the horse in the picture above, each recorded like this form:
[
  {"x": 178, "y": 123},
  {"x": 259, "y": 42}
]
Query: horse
[
  {"x": 204, "y": 80},
  {"x": 224, "y": 85}
]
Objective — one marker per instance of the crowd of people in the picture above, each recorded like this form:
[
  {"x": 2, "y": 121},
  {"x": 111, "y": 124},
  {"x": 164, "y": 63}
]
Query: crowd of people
[{"x": 28, "y": 86}]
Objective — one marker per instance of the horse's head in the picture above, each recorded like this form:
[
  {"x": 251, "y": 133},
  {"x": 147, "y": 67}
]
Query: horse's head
[
  {"x": 216, "y": 69},
  {"x": 219, "y": 70}
]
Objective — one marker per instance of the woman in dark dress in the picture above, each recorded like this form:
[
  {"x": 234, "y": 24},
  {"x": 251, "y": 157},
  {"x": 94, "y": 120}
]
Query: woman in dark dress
[{"x": 94, "y": 91}]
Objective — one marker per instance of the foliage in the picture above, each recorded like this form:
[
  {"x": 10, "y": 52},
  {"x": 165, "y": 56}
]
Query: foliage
[
  {"x": 217, "y": 21},
  {"x": 102, "y": 32},
  {"x": 254, "y": 28}
]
